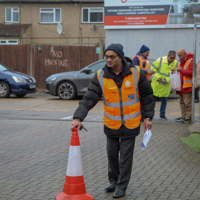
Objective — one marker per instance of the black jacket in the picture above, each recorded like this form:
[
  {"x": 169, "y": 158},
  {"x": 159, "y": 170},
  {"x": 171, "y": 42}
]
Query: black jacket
[{"x": 94, "y": 93}]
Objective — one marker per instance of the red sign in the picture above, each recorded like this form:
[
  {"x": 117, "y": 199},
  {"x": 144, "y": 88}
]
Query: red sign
[
  {"x": 149, "y": 14},
  {"x": 135, "y": 20}
]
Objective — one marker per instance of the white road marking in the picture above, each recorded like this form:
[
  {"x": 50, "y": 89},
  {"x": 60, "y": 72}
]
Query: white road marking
[
  {"x": 67, "y": 117},
  {"x": 88, "y": 118}
]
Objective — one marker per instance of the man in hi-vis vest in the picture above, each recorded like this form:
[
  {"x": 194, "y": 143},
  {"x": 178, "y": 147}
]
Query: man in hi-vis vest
[
  {"x": 124, "y": 88},
  {"x": 185, "y": 95},
  {"x": 161, "y": 79},
  {"x": 141, "y": 60}
]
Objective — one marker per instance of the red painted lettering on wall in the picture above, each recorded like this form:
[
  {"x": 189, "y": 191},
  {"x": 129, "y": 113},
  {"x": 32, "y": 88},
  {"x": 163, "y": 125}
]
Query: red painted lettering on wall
[
  {"x": 55, "y": 61},
  {"x": 57, "y": 54}
]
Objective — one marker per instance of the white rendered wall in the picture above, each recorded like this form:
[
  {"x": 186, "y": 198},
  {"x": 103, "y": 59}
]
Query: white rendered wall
[{"x": 160, "y": 41}]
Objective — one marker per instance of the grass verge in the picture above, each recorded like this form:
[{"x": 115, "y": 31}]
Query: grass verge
[{"x": 193, "y": 141}]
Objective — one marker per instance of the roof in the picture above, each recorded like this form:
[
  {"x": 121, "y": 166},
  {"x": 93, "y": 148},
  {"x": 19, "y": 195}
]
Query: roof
[
  {"x": 12, "y": 30},
  {"x": 52, "y": 1}
]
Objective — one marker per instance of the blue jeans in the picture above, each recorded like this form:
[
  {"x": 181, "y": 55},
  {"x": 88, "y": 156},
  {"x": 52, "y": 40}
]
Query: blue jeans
[{"x": 162, "y": 106}]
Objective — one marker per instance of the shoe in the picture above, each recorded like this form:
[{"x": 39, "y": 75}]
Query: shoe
[
  {"x": 110, "y": 188},
  {"x": 163, "y": 117},
  {"x": 186, "y": 121},
  {"x": 179, "y": 119},
  {"x": 118, "y": 193}
]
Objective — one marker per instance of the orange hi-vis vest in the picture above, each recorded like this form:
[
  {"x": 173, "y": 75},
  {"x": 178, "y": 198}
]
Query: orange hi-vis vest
[
  {"x": 187, "y": 81},
  {"x": 121, "y": 105},
  {"x": 144, "y": 64}
]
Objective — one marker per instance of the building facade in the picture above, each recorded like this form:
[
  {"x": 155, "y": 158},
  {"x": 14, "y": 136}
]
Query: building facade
[{"x": 56, "y": 22}]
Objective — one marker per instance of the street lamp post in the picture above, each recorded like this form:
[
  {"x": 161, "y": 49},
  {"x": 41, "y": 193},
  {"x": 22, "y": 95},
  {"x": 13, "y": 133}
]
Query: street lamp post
[{"x": 194, "y": 62}]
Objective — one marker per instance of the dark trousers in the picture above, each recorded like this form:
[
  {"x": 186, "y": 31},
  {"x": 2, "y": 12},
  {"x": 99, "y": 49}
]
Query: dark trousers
[
  {"x": 120, "y": 158},
  {"x": 162, "y": 106}
]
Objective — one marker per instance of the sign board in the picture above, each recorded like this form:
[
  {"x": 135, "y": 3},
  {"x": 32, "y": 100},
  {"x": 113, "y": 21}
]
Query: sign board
[
  {"x": 129, "y": 14},
  {"x": 98, "y": 49}
]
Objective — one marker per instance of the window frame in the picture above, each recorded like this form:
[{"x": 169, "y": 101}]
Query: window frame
[
  {"x": 89, "y": 22},
  {"x": 54, "y": 13},
  {"x": 12, "y": 11}
]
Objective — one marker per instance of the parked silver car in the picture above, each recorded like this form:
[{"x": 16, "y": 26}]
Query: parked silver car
[{"x": 68, "y": 85}]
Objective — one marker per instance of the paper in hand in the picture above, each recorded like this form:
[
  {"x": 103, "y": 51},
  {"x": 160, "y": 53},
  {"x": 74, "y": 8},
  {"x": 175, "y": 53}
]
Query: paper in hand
[{"x": 146, "y": 138}]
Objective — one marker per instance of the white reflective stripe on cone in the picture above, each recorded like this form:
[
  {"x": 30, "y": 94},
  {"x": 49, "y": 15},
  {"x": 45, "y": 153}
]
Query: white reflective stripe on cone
[{"x": 74, "y": 166}]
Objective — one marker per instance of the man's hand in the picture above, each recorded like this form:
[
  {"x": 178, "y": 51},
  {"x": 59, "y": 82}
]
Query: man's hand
[
  {"x": 159, "y": 80},
  {"x": 178, "y": 70},
  {"x": 164, "y": 81},
  {"x": 147, "y": 124},
  {"x": 173, "y": 70},
  {"x": 150, "y": 72},
  {"x": 76, "y": 123}
]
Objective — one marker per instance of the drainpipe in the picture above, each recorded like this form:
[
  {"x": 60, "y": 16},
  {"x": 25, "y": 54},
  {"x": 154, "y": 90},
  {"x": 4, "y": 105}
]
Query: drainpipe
[{"x": 20, "y": 27}]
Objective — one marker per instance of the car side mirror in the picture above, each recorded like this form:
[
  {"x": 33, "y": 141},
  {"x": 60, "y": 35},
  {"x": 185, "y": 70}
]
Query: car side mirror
[{"x": 87, "y": 71}]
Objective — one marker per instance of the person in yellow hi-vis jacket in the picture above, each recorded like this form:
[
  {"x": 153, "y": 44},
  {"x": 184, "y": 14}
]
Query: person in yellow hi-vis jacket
[
  {"x": 124, "y": 88},
  {"x": 161, "y": 79}
]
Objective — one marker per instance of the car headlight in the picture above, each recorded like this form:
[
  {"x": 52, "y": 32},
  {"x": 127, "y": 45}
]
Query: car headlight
[
  {"x": 33, "y": 79},
  {"x": 51, "y": 78},
  {"x": 18, "y": 79}
]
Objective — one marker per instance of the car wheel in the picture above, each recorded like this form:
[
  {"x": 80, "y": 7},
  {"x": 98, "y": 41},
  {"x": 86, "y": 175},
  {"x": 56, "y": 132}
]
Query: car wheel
[
  {"x": 197, "y": 93},
  {"x": 66, "y": 90},
  {"x": 4, "y": 90},
  {"x": 20, "y": 95}
]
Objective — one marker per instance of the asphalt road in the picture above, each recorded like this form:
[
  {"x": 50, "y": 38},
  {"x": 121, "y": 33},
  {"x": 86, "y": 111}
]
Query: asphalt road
[{"x": 42, "y": 106}]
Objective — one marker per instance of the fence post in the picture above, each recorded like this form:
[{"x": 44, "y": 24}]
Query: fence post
[{"x": 31, "y": 48}]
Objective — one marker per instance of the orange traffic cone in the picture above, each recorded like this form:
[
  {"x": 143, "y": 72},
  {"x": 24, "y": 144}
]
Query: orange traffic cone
[{"x": 74, "y": 186}]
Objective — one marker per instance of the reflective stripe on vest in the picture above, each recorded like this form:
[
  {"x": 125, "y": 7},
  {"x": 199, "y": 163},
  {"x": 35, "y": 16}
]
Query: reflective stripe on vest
[
  {"x": 147, "y": 64},
  {"x": 187, "y": 81},
  {"x": 121, "y": 105}
]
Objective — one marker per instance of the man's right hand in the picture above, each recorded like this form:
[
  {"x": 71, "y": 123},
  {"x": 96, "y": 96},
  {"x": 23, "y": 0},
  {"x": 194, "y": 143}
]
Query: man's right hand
[
  {"x": 173, "y": 70},
  {"x": 159, "y": 80},
  {"x": 150, "y": 72},
  {"x": 178, "y": 69},
  {"x": 76, "y": 123}
]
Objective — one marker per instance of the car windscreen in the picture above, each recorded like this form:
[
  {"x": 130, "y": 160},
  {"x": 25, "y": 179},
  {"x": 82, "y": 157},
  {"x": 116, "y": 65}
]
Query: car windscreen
[{"x": 4, "y": 68}]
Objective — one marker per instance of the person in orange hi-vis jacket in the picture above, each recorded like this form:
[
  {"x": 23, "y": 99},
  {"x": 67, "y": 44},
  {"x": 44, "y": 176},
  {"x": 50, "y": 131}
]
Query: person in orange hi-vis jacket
[
  {"x": 185, "y": 95},
  {"x": 141, "y": 60},
  {"x": 124, "y": 88}
]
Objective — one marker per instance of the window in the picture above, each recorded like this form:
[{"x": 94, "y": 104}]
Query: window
[
  {"x": 12, "y": 15},
  {"x": 50, "y": 15},
  {"x": 8, "y": 42},
  {"x": 97, "y": 66},
  {"x": 93, "y": 15}
]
